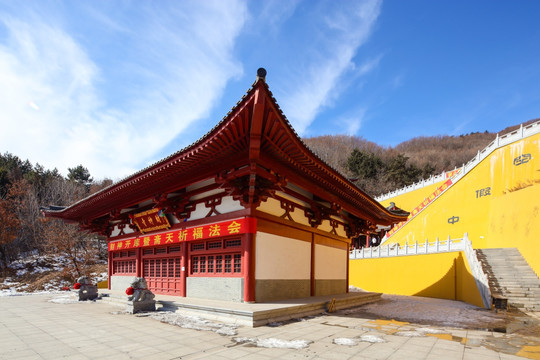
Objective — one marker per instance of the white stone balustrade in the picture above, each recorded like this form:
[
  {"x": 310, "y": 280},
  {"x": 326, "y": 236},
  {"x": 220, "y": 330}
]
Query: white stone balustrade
[
  {"x": 416, "y": 248},
  {"x": 500, "y": 141}
]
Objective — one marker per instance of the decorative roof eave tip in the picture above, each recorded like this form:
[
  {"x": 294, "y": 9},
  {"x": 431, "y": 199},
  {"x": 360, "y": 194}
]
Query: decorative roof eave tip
[{"x": 261, "y": 74}]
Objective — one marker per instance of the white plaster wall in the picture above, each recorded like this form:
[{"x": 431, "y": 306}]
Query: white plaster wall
[
  {"x": 229, "y": 205},
  {"x": 200, "y": 212},
  {"x": 116, "y": 231},
  {"x": 278, "y": 257},
  {"x": 330, "y": 263}
]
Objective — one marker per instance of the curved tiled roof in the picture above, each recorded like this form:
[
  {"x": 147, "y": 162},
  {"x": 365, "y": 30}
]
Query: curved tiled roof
[{"x": 228, "y": 144}]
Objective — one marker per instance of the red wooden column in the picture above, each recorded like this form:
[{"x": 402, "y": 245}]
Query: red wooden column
[
  {"x": 109, "y": 264},
  {"x": 347, "y": 255},
  {"x": 249, "y": 268},
  {"x": 312, "y": 266},
  {"x": 184, "y": 270},
  {"x": 138, "y": 263}
]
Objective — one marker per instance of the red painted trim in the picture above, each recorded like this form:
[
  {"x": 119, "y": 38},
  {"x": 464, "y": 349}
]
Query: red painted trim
[
  {"x": 188, "y": 234},
  {"x": 347, "y": 261},
  {"x": 184, "y": 270},
  {"x": 312, "y": 270},
  {"x": 139, "y": 263},
  {"x": 249, "y": 271},
  {"x": 110, "y": 264}
]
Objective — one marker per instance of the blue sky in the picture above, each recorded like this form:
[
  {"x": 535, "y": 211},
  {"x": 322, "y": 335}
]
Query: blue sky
[{"x": 118, "y": 85}]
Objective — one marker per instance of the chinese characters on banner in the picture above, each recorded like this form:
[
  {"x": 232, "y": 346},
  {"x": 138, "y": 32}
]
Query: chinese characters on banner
[
  {"x": 225, "y": 228},
  {"x": 417, "y": 209},
  {"x": 452, "y": 173},
  {"x": 150, "y": 221}
]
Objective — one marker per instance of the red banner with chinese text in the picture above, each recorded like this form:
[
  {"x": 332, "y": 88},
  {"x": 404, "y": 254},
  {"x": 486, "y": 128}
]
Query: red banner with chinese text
[
  {"x": 225, "y": 228},
  {"x": 422, "y": 205}
]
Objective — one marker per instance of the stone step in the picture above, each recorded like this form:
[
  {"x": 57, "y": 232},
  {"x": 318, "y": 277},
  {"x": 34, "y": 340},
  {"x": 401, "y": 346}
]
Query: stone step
[
  {"x": 523, "y": 292},
  {"x": 515, "y": 278},
  {"x": 525, "y": 289},
  {"x": 511, "y": 277},
  {"x": 522, "y": 301},
  {"x": 514, "y": 284}
]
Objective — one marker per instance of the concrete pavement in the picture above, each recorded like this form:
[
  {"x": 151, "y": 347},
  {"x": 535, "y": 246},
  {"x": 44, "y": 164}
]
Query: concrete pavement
[{"x": 32, "y": 327}]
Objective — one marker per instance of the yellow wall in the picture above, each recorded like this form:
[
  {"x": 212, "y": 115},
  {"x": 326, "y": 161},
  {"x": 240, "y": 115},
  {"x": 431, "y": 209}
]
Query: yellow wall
[
  {"x": 329, "y": 262},
  {"x": 293, "y": 257},
  {"x": 412, "y": 199},
  {"x": 505, "y": 216},
  {"x": 444, "y": 276}
]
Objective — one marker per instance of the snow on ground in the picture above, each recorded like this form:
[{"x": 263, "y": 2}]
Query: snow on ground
[
  {"x": 346, "y": 341},
  {"x": 423, "y": 310},
  {"x": 370, "y": 338},
  {"x": 274, "y": 343},
  {"x": 40, "y": 268},
  {"x": 195, "y": 323},
  {"x": 65, "y": 299}
]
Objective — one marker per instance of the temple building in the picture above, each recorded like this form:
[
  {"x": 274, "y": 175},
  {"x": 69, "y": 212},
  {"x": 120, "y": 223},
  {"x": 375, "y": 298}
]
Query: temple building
[{"x": 247, "y": 213}]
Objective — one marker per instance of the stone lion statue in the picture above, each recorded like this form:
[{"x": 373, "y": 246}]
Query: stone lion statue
[
  {"x": 140, "y": 291},
  {"x": 84, "y": 280}
]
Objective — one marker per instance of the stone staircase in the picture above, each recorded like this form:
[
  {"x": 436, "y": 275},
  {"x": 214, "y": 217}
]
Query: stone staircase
[{"x": 511, "y": 278}]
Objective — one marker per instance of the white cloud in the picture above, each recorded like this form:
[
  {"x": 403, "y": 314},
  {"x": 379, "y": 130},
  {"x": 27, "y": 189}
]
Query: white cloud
[
  {"x": 53, "y": 94},
  {"x": 342, "y": 32}
]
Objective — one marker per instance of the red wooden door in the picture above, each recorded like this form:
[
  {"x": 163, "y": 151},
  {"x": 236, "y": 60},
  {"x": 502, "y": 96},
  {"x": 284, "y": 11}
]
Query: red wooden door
[{"x": 163, "y": 273}]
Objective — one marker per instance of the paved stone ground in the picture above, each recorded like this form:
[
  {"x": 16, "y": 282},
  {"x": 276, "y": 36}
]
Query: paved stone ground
[{"x": 32, "y": 327}]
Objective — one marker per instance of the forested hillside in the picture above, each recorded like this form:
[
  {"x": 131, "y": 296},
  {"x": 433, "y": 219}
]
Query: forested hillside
[
  {"x": 378, "y": 170},
  {"x": 25, "y": 187}
]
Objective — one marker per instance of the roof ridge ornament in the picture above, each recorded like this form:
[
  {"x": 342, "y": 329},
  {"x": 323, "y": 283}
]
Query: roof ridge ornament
[{"x": 261, "y": 74}]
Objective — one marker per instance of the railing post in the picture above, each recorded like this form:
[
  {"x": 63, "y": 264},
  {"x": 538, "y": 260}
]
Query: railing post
[
  {"x": 448, "y": 243},
  {"x": 416, "y": 248},
  {"x": 406, "y": 247},
  {"x": 427, "y": 245},
  {"x": 437, "y": 244}
]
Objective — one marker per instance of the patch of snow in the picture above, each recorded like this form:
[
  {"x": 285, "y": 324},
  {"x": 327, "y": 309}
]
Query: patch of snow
[
  {"x": 195, "y": 323},
  {"x": 430, "y": 331},
  {"x": 423, "y": 310},
  {"x": 372, "y": 339},
  {"x": 9, "y": 292},
  {"x": 274, "y": 343},
  {"x": 345, "y": 341},
  {"x": 420, "y": 332},
  {"x": 22, "y": 272},
  {"x": 355, "y": 289},
  {"x": 66, "y": 299},
  {"x": 410, "y": 333}
]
